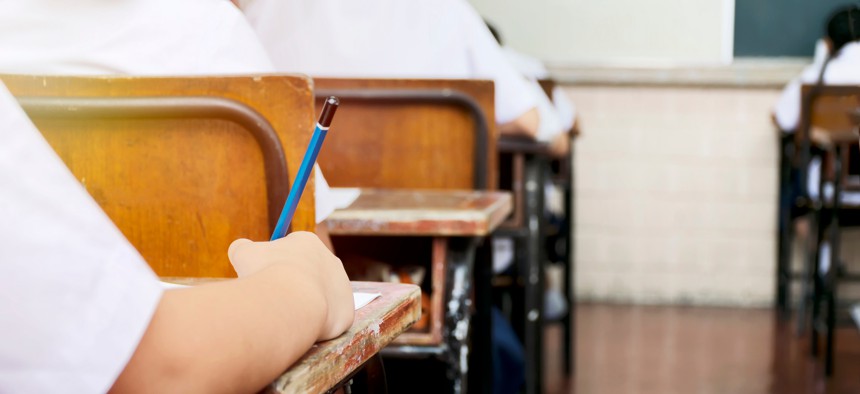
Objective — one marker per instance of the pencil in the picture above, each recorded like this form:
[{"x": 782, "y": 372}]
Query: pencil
[{"x": 326, "y": 116}]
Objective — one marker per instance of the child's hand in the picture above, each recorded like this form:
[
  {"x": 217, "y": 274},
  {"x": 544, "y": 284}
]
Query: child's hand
[{"x": 305, "y": 255}]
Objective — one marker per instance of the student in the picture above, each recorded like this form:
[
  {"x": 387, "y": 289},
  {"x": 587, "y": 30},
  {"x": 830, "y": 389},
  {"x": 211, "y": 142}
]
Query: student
[
  {"x": 842, "y": 48},
  {"x": 395, "y": 39},
  {"x": 838, "y": 55},
  {"x": 136, "y": 37},
  {"x": 836, "y": 62},
  {"x": 556, "y": 106},
  {"x": 83, "y": 313}
]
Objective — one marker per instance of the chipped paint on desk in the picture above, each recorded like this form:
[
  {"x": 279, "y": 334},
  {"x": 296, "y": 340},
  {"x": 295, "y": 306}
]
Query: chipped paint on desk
[{"x": 375, "y": 326}]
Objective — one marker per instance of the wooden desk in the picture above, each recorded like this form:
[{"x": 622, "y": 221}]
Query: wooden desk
[
  {"x": 456, "y": 221},
  {"x": 530, "y": 164},
  {"x": 414, "y": 134},
  {"x": 331, "y": 364},
  {"x": 421, "y": 212},
  {"x": 182, "y": 165}
]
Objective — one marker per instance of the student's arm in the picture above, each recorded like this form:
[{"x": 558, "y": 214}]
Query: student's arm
[
  {"x": 560, "y": 145},
  {"x": 525, "y": 125},
  {"x": 238, "y": 336}
]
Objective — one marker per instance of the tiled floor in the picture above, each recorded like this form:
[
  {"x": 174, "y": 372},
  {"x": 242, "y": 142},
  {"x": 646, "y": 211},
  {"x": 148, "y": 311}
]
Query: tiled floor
[{"x": 640, "y": 349}]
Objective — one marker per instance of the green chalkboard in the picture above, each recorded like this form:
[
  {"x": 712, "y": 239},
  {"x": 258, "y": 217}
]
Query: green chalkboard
[{"x": 781, "y": 27}]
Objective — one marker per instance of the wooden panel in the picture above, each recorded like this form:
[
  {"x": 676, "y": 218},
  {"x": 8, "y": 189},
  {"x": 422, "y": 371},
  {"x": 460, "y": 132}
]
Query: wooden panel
[
  {"x": 180, "y": 190},
  {"x": 834, "y": 113},
  {"x": 394, "y": 144}
]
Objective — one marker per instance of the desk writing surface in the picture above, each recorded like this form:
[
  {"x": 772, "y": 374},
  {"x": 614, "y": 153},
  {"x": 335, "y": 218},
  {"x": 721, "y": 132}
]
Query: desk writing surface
[
  {"x": 421, "y": 213},
  {"x": 376, "y": 325}
]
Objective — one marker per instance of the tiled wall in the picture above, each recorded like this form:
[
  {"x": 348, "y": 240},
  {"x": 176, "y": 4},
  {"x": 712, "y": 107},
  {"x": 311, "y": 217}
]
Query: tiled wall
[{"x": 676, "y": 195}]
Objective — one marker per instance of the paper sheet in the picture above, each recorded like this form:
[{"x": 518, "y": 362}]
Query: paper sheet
[
  {"x": 343, "y": 197},
  {"x": 360, "y": 299}
]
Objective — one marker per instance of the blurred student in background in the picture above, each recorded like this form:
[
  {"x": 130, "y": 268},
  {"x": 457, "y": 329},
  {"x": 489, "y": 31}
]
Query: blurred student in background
[
  {"x": 836, "y": 62},
  {"x": 555, "y": 106},
  {"x": 398, "y": 39},
  {"x": 837, "y": 54}
]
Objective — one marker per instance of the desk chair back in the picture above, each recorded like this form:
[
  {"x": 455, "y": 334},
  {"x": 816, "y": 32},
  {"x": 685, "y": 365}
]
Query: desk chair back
[
  {"x": 418, "y": 134},
  {"x": 829, "y": 116},
  {"x": 183, "y": 166}
]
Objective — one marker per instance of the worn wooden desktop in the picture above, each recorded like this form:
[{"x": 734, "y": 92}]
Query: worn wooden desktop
[
  {"x": 182, "y": 165},
  {"x": 456, "y": 220},
  {"x": 438, "y": 213},
  {"x": 330, "y": 364}
]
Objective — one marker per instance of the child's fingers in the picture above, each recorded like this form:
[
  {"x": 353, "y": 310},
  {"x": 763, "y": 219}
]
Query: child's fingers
[{"x": 236, "y": 248}]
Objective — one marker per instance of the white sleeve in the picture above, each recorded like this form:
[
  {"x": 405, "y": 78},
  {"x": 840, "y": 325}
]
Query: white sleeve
[
  {"x": 787, "y": 109},
  {"x": 514, "y": 96},
  {"x": 564, "y": 107},
  {"x": 551, "y": 123},
  {"x": 76, "y": 296}
]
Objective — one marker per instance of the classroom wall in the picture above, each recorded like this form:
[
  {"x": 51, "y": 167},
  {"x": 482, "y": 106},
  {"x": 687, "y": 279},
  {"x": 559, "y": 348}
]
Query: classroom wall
[
  {"x": 624, "y": 32},
  {"x": 676, "y": 193}
]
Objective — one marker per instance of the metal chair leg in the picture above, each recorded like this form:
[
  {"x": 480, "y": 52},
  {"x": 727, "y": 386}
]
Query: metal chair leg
[{"x": 832, "y": 276}]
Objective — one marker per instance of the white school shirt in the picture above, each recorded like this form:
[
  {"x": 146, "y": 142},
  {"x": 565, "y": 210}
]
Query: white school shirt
[
  {"x": 388, "y": 39},
  {"x": 135, "y": 37},
  {"x": 559, "y": 111},
  {"x": 844, "y": 69},
  {"x": 76, "y": 296}
]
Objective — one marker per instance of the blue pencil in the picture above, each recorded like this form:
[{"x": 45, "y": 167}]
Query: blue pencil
[{"x": 304, "y": 173}]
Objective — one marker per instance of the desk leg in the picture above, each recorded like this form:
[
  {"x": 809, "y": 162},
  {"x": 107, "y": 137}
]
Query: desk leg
[
  {"x": 534, "y": 273},
  {"x": 570, "y": 270},
  {"x": 368, "y": 379},
  {"x": 832, "y": 277},
  {"x": 374, "y": 373},
  {"x": 458, "y": 311},
  {"x": 481, "y": 358}
]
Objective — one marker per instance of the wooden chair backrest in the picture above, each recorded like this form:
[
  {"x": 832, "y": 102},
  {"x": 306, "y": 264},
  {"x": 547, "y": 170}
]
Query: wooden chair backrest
[
  {"x": 183, "y": 166},
  {"x": 832, "y": 110},
  {"x": 410, "y": 133}
]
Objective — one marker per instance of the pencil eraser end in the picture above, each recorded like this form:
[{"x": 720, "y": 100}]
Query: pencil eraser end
[{"x": 328, "y": 110}]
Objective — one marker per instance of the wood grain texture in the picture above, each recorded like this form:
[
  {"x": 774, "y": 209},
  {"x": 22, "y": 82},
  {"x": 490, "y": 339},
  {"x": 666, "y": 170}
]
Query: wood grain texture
[
  {"x": 421, "y": 212},
  {"x": 180, "y": 189},
  {"x": 833, "y": 113},
  {"x": 397, "y": 145},
  {"x": 376, "y": 325}
]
